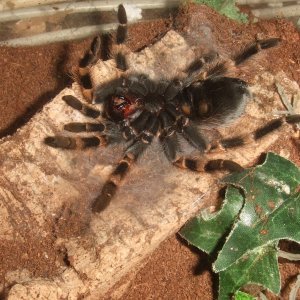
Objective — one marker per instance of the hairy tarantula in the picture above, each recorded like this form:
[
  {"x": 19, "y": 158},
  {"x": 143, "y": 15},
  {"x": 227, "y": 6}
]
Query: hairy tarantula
[{"x": 140, "y": 110}]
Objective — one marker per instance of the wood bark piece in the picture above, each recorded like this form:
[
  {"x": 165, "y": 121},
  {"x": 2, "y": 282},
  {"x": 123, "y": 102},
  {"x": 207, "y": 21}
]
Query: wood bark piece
[{"x": 46, "y": 193}]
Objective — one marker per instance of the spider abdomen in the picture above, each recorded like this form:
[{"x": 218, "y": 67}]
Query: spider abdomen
[{"x": 217, "y": 101}]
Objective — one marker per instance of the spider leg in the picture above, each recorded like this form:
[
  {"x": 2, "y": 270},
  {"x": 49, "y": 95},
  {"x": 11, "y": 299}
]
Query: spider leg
[
  {"x": 72, "y": 143},
  {"x": 222, "y": 67},
  {"x": 196, "y": 71},
  {"x": 170, "y": 146},
  {"x": 237, "y": 141},
  {"x": 91, "y": 55},
  {"x": 202, "y": 164},
  {"x": 84, "y": 127},
  {"x": 192, "y": 135},
  {"x": 259, "y": 133},
  {"x": 111, "y": 185},
  {"x": 85, "y": 64},
  {"x": 255, "y": 48},
  {"x": 198, "y": 63},
  {"x": 132, "y": 153},
  {"x": 83, "y": 108},
  {"x": 120, "y": 57}
]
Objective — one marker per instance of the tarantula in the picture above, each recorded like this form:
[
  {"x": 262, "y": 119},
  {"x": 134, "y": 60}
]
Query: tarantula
[{"x": 136, "y": 109}]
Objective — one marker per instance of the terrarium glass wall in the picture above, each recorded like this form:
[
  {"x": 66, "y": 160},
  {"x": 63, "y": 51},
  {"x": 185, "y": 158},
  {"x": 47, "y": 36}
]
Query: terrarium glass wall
[{"x": 35, "y": 22}]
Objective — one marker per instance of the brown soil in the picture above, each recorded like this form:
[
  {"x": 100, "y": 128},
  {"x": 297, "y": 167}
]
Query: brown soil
[{"x": 30, "y": 77}]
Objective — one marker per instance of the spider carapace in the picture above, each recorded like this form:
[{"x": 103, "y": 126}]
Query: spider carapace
[{"x": 138, "y": 110}]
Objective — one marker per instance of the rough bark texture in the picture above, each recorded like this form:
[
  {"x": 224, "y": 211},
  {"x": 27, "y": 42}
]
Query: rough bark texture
[{"x": 46, "y": 193}]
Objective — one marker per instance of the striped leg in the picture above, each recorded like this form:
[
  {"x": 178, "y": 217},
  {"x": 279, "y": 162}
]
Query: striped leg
[
  {"x": 171, "y": 149},
  {"x": 132, "y": 153},
  {"x": 72, "y": 143},
  {"x": 196, "y": 66},
  {"x": 84, "y": 127},
  {"x": 79, "y": 142},
  {"x": 259, "y": 133},
  {"x": 255, "y": 48},
  {"x": 91, "y": 55},
  {"x": 85, "y": 64},
  {"x": 121, "y": 49},
  {"x": 223, "y": 67},
  {"x": 83, "y": 108},
  {"x": 204, "y": 165},
  {"x": 111, "y": 185},
  {"x": 201, "y": 165}
]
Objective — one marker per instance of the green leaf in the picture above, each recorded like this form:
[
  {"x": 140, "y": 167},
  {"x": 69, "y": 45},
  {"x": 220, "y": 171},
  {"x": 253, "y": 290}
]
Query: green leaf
[
  {"x": 271, "y": 211},
  {"x": 257, "y": 267},
  {"x": 226, "y": 8},
  {"x": 268, "y": 211},
  {"x": 243, "y": 296},
  {"x": 205, "y": 231}
]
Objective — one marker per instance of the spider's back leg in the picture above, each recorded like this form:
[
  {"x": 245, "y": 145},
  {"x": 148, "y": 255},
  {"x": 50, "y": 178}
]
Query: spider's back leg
[
  {"x": 201, "y": 164},
  {"x": 223, "y": 68},
  {"x": 256, "y": 135},
  {"x": 254, "y": 48}
]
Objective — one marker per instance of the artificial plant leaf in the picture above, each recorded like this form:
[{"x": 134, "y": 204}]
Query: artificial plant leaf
[
  {"x": 243, "y": 296},
  {"x": 226, "y": 8},
  {"x": 256, "y": 267},
  {"x": 271, "y": 211},
  {"x": 205, "y": 231}
]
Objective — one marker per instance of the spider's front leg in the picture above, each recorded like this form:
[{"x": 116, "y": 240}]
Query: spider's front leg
[
  {"x": 85, "y": 64},
  {"x": 110, "y": 187},
  {"x": 91, "y": 56},
  {"x": 72, "y": 143},
  {"x": 142, "y": 135},
  {"x": 80, "y": 142}
]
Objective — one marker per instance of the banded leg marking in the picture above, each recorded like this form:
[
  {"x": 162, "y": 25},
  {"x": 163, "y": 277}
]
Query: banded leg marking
[
  {"x": 84, "y": 127},
  {"x": 198, "y": 63},
  {"x": 83, "y": 108},
  {"x": 85, "y": 64},
  {"x": 121, "y": 36},
  {"x": 257, "y": 134},
  {"x": 72, "y": 143},
  {"x": 204, "y": 165},
  {"x": 122, "y": 28},
  {"x": 171, "y": 148},
  {"x": 110, "y": 187},
  {"x": 255, "y": 48}
]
